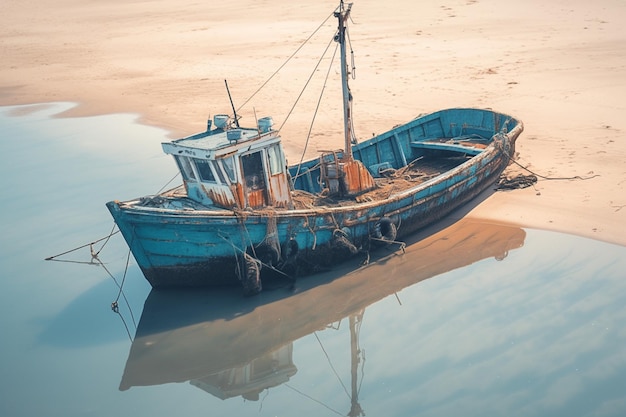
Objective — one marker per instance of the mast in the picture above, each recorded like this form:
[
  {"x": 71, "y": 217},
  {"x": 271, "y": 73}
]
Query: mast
[
  {"x": 350, "y": 176},
  {"x": 342, "y": 15},
  {"x": 355, "y": 354}
]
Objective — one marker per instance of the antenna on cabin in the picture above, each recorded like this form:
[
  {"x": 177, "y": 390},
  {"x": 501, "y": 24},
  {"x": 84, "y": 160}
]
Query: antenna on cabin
[{"x": 231, "y": 104}]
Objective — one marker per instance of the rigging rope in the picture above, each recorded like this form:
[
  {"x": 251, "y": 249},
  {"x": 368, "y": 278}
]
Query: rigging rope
[
  {"x": 306, "y": 84},
  {"x": 353, "y": 72},
  {"x": 168, "y": 183},
  {"x": 319, "y": 101},
  {"x": 331, "y": 364},
  {"x": 313, "y": 399},
  {"x": 285, "y": 63},
  {"x": 353, "y": 139}
]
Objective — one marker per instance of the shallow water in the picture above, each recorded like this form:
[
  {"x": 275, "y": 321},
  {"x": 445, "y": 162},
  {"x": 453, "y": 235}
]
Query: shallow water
[{"x": 475, "y": 319}]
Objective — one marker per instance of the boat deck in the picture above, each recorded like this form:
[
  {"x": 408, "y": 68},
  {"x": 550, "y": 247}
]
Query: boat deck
[{"x": 392, "y": 182}]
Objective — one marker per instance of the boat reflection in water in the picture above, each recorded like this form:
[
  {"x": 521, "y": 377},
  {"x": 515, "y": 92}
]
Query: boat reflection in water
[{"x": 231, "y": 346}]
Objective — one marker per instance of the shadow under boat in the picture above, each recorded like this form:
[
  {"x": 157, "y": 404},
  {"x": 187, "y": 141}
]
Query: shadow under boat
[{"x": 231, "y": 346}]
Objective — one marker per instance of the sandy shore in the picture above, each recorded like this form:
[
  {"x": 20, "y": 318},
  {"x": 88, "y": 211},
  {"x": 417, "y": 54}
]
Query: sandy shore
[{"x": 560, "y": 66}]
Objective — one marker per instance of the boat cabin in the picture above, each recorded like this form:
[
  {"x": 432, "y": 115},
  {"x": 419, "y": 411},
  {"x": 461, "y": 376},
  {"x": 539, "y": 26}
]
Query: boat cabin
[{"x": 232, "y": 167}]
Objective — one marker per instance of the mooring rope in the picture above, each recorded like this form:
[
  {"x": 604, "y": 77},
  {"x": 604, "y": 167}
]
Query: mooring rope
[
  {"x": 120, "y": 292},
  {"x": 524, "y": 181},
  {"x": 312, "y": 230},
  {"x": 95, "y": 260},
  {"x": 518, "y": 182},
  {"x": 244, "y": 254},
  {"x": 115, "y": 304},
  {"x": 90, "y": 244}
]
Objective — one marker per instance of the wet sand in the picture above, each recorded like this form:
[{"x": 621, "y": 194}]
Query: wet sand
[{"x": 559, "y": 66}]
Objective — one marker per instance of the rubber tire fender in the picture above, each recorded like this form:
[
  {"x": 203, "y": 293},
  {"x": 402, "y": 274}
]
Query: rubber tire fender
[
  {"x": 385, "y": 230},
  {"x": 252, "y": 277},
  {"x": 267, "y": 254}
]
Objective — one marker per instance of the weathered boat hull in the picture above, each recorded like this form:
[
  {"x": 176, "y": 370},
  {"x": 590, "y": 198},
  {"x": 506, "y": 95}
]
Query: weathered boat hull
[{"x": 208, "y": 247}]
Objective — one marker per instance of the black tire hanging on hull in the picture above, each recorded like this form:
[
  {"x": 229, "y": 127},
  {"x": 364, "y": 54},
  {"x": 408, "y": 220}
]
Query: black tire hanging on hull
[
  {"x": 251, "y": 280},
  {"x": 267, "y": 254},
  {"x": 385, "y": 231}
]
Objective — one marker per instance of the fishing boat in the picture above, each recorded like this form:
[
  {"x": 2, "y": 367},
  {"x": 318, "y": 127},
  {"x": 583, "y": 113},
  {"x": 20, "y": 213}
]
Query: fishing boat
[{"x": 243, "y": 214}]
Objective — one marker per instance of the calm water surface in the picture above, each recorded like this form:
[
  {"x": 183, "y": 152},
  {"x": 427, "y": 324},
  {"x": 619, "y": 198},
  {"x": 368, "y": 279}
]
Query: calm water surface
[{"x": 474, "y": 320}]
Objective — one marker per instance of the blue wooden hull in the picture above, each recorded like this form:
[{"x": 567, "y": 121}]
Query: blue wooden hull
[{"x": 206, "y": 247}]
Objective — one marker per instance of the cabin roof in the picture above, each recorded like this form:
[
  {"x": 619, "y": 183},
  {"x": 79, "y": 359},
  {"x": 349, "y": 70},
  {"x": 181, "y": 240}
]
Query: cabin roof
[{"x": 218, "y": 142}]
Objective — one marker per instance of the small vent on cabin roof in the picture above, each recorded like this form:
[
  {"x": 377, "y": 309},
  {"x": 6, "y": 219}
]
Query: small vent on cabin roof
[{"x": 234, "y": 134}]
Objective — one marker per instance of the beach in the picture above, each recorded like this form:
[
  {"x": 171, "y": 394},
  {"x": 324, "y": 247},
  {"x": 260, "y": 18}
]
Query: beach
[{"x": 559, "y": 66}]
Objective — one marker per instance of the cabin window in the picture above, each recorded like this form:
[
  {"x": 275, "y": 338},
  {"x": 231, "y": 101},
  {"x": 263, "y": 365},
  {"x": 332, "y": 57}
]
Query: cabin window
[
  {"x": 274, "y": 156},
  {"x": 229, "y": 167},
  {"x": 253, "y": 170},
  {"x": 218, "y": 170},
  {"x": 204, "y": 170},
  {"x": 185, "y": 168}
]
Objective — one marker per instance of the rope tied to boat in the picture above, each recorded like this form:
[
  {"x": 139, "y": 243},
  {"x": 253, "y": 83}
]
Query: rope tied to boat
[
  {"x": 307, "y": 224},
  {"x": 246, "y": 256},
  {"x": 94, "y": 253},
  {"x": 342, "y": 240},
  {"x": 95, "y": 260},
  {"x": 518, "y": 182},
  {"x": 386, "y": 232},
  {"x": 270, "y": 241},
  {"x": 524, "y": 181}
]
